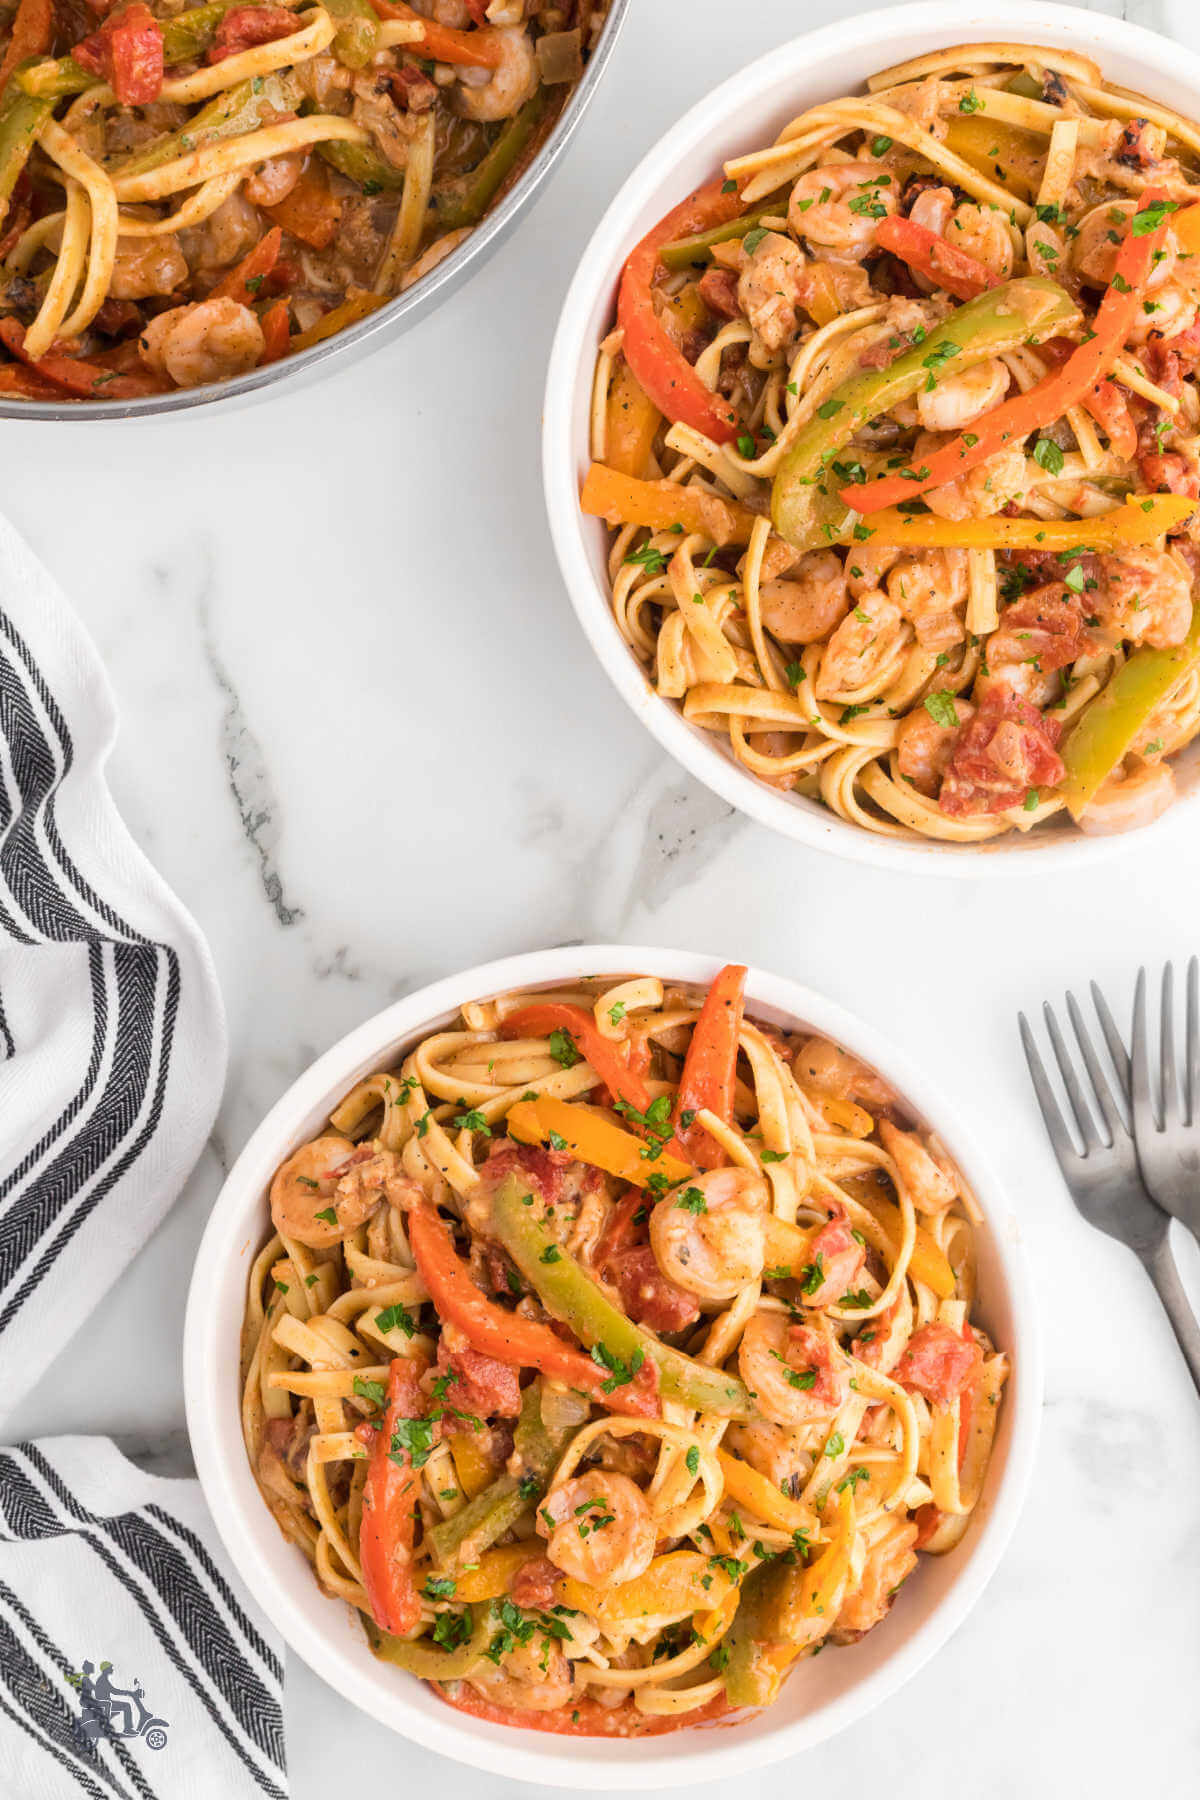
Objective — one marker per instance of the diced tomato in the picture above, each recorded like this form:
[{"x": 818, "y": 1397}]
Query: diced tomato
[
  {"x": 484, "y": 1387},
  {"x": 246, "y": 27},
  {"x": 868, "y": 1345},
  {"x": 535, "y": 1584},
  {"x": 648, "y": 1295},
  {"x": 815, "y": 1350},
  {"x": 938, "y": 1363},
  {"x": 837, "y": 1254},
  {"x": 1006, "y": 750},
  {"x": 1045, "y": 627},
  {"x": 127, "y": 52},
  {"x": 626, "y": 1227}
]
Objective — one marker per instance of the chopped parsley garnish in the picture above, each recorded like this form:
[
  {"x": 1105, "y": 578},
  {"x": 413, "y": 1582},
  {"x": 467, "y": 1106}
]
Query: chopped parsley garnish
[
  {"x": 620, "y": 1372},
  {"x": 648, "y": 558},
  {"x": 369, "y": 1390},
  {"x": 942, "y": 710},
  {"x": 692, "y": 1200},
  {"x": 1048, "y": 456},
  {"x": 395, "y": 1318},
  {"x": 562, "y": 1049}
]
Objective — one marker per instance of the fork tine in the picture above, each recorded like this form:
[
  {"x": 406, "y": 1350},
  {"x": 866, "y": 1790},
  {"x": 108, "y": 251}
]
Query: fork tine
[
  {"x": 1144, "y": 1119},
  {"x": 1167, "y": 1084},
  {"x": 1191, "y": 1097},
  {"x": 1060, "y": 1137},
  {"x": 1099, "y": 1080},
  {"x": 1066, "y": 1068},
  {"x": 1113, "y": 1038}
]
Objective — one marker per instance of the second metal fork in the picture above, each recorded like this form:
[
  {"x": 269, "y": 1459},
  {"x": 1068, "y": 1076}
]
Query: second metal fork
[
  {"x": 1103, "y": 1177},
  {"x": 1168, "y": 1133}
]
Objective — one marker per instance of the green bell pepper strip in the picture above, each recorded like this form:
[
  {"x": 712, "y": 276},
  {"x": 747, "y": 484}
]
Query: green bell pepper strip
[
  {"x": 689, "y": 252},
  {"x": 363, "y": 165},
  {"x": 357, "y": 35},
  {"x": 21, "y": 118},
  {"x": 240, "y": 109},
  {"x": 496, "y": 1510},
  {"x": 571, "y": 1295},
  {"x": 1108, "y": 726},
  {"x": 184, "y": 39},
  {"x": 750, "y": 1678},
  {"x": 463, "y": 202},
  {"x": 805, "y": 506},
  {"x": 420, "y": 1658}
]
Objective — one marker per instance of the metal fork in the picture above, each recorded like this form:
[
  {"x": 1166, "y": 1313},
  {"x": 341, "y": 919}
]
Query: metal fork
[
  {"x": 1103, "y": 1177},
  {"x": 1167, "y": 1134}
]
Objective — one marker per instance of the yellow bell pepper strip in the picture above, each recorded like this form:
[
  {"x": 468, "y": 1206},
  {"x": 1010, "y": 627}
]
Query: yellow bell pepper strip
[
  {"x": 339, "y": 318},
  {"x": 663, "y": 506},
  {"x": 927, "y": 1263},
  {"x": 591, "y": 1138},
  {"x": 806, "y": 508},
  {"x": 631, "y": 422},
  {"x": 1000, "y": 151},
  {"x": 786, "y": 1246},
  {"x": 507, "y": 1335},
  {"x": 707, "y": 1080},
  {"x": 760, "y": 1497},
  {"x": 493, "y": 1575},
  {"x": 1108, "y": 727},
  {"x": 570, "y": 1294},
  {"x": 1186, "y": 226},
  {"x": 419, "y": 1656},
  {"x": 1142, "y": 519},
  {"x": 696, "y": 249},
  {"x": 473, "y": 1466},
  {"x": 659, "y": 364},
  {"x": 779, "y": 1603},
  {"x": 683, "y": 1581},
  {"x": 463, "y": 201},
  {"x": 1088, "y": 363},
  {"x": 21, "y": 118}
]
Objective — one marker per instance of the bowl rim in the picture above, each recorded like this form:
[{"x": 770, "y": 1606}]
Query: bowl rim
[
  {"x": 386, "y": 321},
  {"x": 637, "y": 202},
  {"x": 214, "y": 1426}
]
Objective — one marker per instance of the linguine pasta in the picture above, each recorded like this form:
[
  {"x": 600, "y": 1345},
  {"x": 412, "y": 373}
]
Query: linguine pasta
[
  {"x": 613, "y": 1353},
  {"x": 898, "y": 434}
]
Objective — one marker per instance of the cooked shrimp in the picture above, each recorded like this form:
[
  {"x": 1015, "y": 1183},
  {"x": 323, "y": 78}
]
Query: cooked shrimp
[
  {"x": 767, "y": 291},
  {"x": 225, "y": 236},
  {"x": 931, "y": 1185},
  {"x": 147, "y": 267},
  {"x": 985, "y": 490},
  {"x": 861, "y": 646},
  {"x": 839, "y": 208},
  {"x": 1146, "y": 596},
  {"x": 531, "y": 1677},
  {"x": 505, "y": 89},
  {"x": 836, "y": 1258},
  {"x": 210, "y": 340},
  {"x": 819, "y": 1064},
  {"x": 600, "y": 1528},
  {"x": 889, "y": 1563},
  {"x": 982, "y": 231},
  {"x": 924, "y": 747},
  {"x": 1170, "y": 312},
  {"x": 867, "y": 564},
  {"x": 303, "y": 1189},
  {"x": 708, "y": 1237},
  {"x": 1098, "y": 238},
  {"x": 776, "y": 1451},
  {"x": 1123, "y": 805},
  {"x": 790, "y": 1370},
  {"x": 928, "y": 581},
  {"x": 273, "y": 180},
  {"x": 957, "y": 400},
  {"x": 805, "y": 606}
]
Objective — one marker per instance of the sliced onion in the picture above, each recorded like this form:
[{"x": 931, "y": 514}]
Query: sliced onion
[
  {"x": 562, "y": 1408},
  {"x": 560, "y": 56}
]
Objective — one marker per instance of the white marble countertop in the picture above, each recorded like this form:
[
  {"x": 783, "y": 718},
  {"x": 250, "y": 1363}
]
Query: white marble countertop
[{"x": 364, "y": 740}]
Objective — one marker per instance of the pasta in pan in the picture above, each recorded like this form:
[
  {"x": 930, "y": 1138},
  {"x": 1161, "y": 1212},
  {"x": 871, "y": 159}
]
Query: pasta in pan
[
  {"x": 614, "y": 1353},
  {"x": 898, "y": 432},
  {"x": 186, "y": 195}
]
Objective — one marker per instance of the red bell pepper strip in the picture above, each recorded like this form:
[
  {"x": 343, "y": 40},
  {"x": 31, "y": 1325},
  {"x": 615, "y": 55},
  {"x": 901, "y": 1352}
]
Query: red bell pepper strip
[
  {"x": 660, "y": 366},
  {"x": 389, "y": 1514},
  {"x": 245, "y": 282},
  {"x": 708, "y": 1068},
  {"x": 471, "y": 49},
  {"x": 32, "y": 35},
  {"x": 15, "y": 379},
  {"x": 935, "y": 257},
  {"x": 276, "y": 330},
  {"x": 523, "y": 1343},
  {"x": 127, "y": 52},
  {"x": 71, "y": 374},
  {"x": 544, "y": 1017},
  {"x": 584, "y": 1717},
  {"x": 1088, "y": 363},
  {"x": 1105, "y": 401}
]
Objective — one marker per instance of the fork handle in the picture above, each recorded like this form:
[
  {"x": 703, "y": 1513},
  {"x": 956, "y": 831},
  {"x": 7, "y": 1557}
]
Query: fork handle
[{"x": 1159, "y": 1264}]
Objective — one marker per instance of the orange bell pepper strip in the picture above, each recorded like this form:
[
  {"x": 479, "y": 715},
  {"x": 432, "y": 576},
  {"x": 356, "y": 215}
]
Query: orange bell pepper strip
[
  {"x": 32, "y": 35},
  {"x": 523, "y": 1343},
  {"x": 276, "y": 330},
  {"x": 542, "y": 1019},
  {"x": 389, "y": 1513},
  {"x": 339, "y": 318},
  {"x": 707, "y": 1080},
  {"x": 1014, "y": 419},
  {"x": 659, "y": 365},
  {"x": 244, "y": 282},
  {"x": 935, "y": 257},
  {"x": 592, "y": 1138},
  {"x": 1105, "y": 401},
  {"x": 680, "y": 1581},
  {"x": 660, "y": 505},
  {"x": 760, "y": 1496},
  {"x": 1141, "y": 519},
  {"x": 583, "y": 1717},
  {"x": 471, "y": 49},
  {"x": 631, "y": 423},
  {"x": 311, "y": 211}
]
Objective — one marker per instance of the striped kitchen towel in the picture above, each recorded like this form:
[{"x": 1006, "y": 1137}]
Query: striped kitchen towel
[
  {"x": 112, "y": 1035},
  {"x": 131, "y": 1661}
]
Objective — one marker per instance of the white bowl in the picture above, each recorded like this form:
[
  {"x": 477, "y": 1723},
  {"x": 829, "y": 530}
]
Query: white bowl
[
  {"x": 823, "y": 1696},
  {"x": 743, "y": 113}
]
